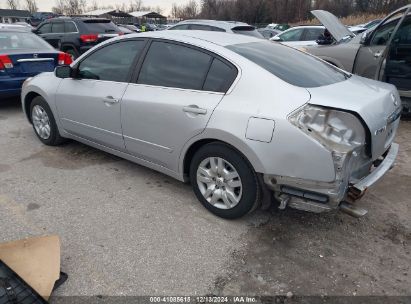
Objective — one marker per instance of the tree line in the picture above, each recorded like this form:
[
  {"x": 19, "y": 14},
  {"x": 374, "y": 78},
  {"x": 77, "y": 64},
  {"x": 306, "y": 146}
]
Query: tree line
[{"x": 279, "y": 11}]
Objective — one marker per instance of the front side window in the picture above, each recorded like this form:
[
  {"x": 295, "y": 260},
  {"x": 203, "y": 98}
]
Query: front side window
[
  {"x": 112, "y": 62},
  {"x": 290, "y": 65},
  {"x": 45, "y": 29},
  {"x": 293, "y": 35},
  {"x": 174, "y": 65},
  {"x": 383, "y": 33}
]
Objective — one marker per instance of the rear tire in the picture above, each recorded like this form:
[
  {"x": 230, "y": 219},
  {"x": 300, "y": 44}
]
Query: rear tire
[
  {"x": 44, "y": 124},
  {"x": 224, "y": 181}
]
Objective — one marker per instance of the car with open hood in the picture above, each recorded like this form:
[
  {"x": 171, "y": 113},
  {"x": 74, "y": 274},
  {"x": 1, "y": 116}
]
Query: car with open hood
[
  {"x": 200, "y": 106},
  {"x": 382, "y": 53}
]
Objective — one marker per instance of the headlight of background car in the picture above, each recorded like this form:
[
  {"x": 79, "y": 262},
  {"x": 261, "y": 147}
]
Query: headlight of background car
[{"x": 336, "y": 130}]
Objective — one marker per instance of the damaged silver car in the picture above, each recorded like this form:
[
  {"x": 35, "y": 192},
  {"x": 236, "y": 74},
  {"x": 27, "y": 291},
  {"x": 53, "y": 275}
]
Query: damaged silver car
[{"x": 244, "y": 120}]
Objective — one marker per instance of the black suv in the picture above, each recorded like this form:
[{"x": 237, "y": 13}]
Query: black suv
[{"x": 74, "y": 35}]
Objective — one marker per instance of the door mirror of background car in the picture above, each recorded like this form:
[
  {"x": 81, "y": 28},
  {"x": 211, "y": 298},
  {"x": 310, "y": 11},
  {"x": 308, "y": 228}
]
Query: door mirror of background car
[
  {"x": 276, "y": 39},
  {"x": 364, "y": 37},
  {"x": 64, "y": 71}
]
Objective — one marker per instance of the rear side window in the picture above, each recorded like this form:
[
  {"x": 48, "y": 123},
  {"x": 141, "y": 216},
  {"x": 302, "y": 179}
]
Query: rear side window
[
  {"x": 71, "y": 27},
  {"x": 220, "y": 77},
  {"x": 112, "y": 62},
  {"x": 174, "y": 65},
  {"x": 58, "y": 27},
  {"x": 290, "y": 65},
  {"x": 179, "y": 27},
  {"x": 100, "y": 26},
  {"x": 247, "y": 30}
]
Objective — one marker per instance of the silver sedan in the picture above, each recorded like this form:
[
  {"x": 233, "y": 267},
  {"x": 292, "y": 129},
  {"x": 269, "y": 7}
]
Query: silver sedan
[{"x": 244, "y": 120}]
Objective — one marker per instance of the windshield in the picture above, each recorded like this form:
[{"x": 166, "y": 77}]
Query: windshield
[
  {"x": 22, "y": 41},
  {"x": 290, "y": 65}
]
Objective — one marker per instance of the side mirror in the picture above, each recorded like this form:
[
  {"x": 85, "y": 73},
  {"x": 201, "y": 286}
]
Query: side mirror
[
  {"x": 278, "y": 39},
  {"x": 64, "y": 71},
  {"x": 364, "y": 37}
]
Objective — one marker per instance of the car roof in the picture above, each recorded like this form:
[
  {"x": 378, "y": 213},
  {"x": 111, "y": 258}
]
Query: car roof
[
  {"x": 198, "y": 37},
  {"x": 307, "y": 26},
  {"x": 227, "y": 25}
]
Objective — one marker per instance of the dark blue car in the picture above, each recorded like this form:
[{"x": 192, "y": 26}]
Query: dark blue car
[{"x": 24, "y": 55}]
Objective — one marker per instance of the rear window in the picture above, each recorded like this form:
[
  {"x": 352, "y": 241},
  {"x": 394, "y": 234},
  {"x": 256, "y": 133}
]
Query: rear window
[
  {"x": 290, "y": 65},
  {"x": 101, "y": 26},
  {"x": 247, "y": 30},
  {"x": 22, "y": 41}
]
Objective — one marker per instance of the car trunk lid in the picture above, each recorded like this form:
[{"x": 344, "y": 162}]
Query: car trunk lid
[
  {"x": 27, "y": 64},
  {"x": 333, "y": 24},
  {"x": 378, "y": 104}
]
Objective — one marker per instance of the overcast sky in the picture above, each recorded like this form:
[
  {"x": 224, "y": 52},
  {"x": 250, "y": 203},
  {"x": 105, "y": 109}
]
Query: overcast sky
[{"x": 46, "y": 5}]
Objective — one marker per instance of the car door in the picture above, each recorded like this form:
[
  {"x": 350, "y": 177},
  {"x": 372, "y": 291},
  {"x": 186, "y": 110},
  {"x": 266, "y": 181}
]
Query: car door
[
  {"x": 370, "y": 54},
  {"x": 89, "y": 104},
  {"x": 57, "y": 33},
  {"x": 172, "y": 99},
  {"x": 44, "y": 31},
  {"x": 396, "y": 67}
]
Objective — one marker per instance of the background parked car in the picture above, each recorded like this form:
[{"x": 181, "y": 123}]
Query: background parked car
[
  {"x": 131, "y": 27},
  {"x": 300, "y": 35},
  {"x": 77, "y": 35},
  {"x": 370, "y": 24},
  {"x": 218, "y": 26},
  {"x": 23, "y": 55},
  {"x": 125, "y": 30},
  {"x": 357, "y": 29},
  {"x": 15, "y": 26},
  {"x": 37, "y": 18},
  {"x": 382, "y": 53},
  {"x": 268, "y": 33}
]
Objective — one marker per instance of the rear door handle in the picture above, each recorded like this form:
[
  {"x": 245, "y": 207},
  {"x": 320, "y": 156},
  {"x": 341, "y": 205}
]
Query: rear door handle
[
  {"x": 110, "y": 100},
  {"x": 193, "y": 109}
]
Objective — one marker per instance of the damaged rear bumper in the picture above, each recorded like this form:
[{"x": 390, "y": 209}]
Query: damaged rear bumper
[{"x": 320, "y": 197}]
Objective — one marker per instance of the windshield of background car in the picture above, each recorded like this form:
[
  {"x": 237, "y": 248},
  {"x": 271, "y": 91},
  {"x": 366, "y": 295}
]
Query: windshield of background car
[
  {"x": 22, "y": 41},
  {"x": 290, "y": 65},
  {"x": 101, "y": 26}
]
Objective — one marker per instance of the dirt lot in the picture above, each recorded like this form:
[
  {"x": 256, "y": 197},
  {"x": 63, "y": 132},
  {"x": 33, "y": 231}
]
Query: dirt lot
[{"x": 127, "y": 230}]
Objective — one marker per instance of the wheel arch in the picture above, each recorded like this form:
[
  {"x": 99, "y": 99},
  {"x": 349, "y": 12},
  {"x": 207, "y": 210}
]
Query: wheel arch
[
  {"x": 27, "y": 102},
  {"x": 237, "y": 145}
]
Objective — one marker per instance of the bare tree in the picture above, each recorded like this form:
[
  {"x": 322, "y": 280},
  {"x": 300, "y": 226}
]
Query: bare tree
[
  {"x": 135, "y": 5},
  {"x": 13, "y": 4},
  {"x": 69, "y": 7},
  {"x": 31, "y": 6}
]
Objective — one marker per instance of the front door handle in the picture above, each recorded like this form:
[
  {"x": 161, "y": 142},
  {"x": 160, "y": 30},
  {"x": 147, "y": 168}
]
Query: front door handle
[
  {"x": 110, "y": 100},
  {"x": 193, "y": 109},
  {"x": 378, "y": 54}
]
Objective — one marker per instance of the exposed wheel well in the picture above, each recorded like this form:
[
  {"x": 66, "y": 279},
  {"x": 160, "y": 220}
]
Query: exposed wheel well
[
  {"x": 27, "y": 102},
  {"x": 197, "y": 145}
]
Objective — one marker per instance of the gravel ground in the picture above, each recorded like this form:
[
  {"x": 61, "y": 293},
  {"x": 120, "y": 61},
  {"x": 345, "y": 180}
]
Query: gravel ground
[{"x": 127, "y": 230}]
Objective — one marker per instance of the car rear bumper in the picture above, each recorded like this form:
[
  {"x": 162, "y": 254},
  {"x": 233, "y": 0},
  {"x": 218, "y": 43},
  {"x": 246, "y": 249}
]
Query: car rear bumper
[
  {"x": 320, "y": 197},
  {"x": 10, "y": 87}
]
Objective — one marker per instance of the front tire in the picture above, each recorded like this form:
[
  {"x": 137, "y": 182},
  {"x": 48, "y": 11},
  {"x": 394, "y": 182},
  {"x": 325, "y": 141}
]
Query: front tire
[
  {"x": 223, "y": 181},
  {"x": 44, "y": 124}
]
